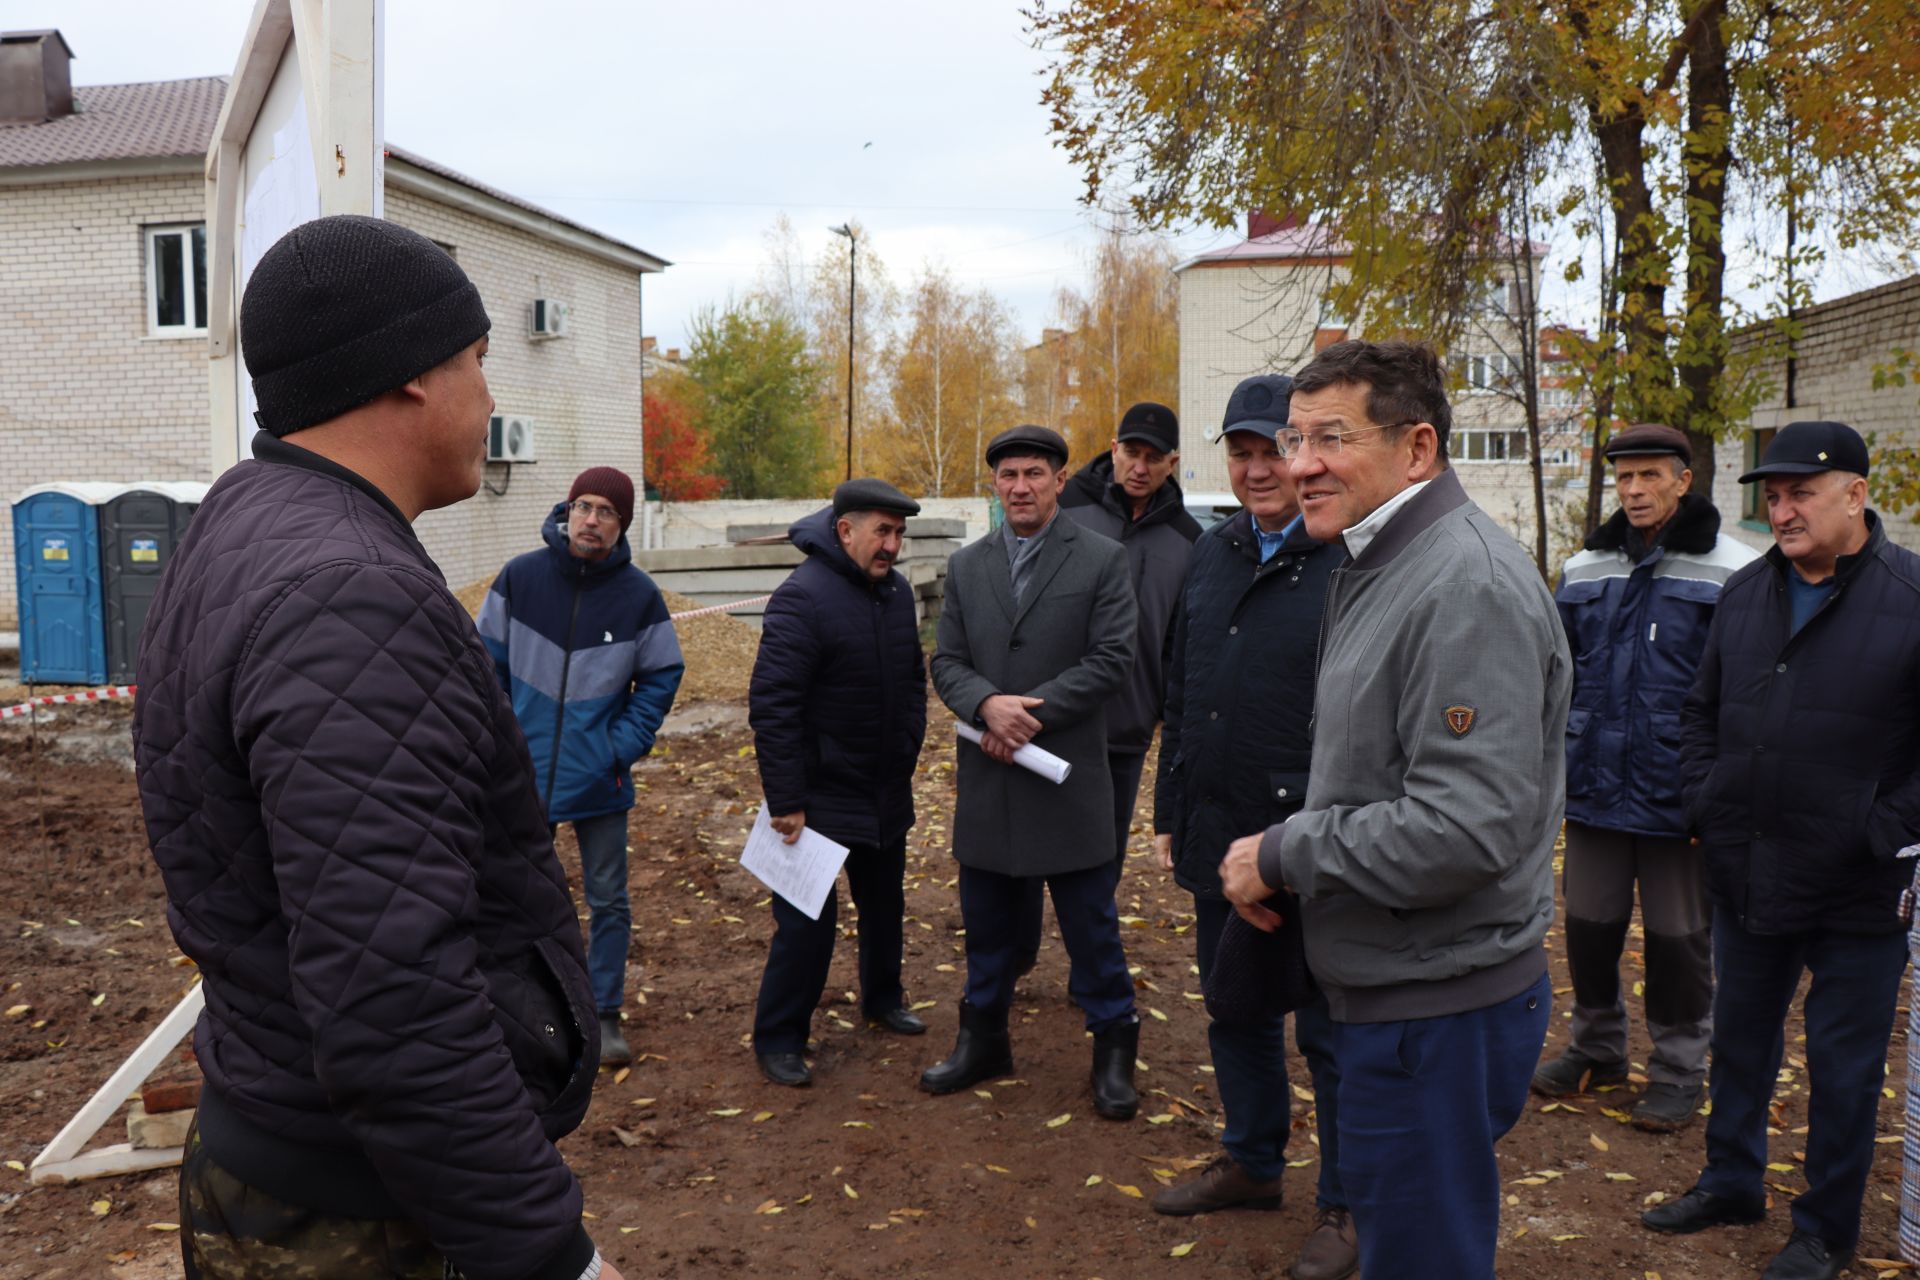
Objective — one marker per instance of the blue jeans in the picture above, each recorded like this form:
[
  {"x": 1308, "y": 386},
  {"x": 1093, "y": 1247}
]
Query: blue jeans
[
  {"x": 603, "y": 880},
  {"x": 1421, "y": 1104},
  {"x": 1849, "y": 1017},
  {"x": 1097, "y": 978},
  {"x": 1250, "y": 1070}
]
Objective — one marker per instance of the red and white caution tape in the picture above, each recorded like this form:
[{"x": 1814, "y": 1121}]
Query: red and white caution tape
[
  {"x": 720, "y": 608},
  {"x": 56, "y": 699}
]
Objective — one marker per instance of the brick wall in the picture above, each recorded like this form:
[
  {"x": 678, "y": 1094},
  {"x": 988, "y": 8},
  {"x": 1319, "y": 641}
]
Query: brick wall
[
  {"x": 85, "y": 394},
  {"x": 1841, "y": 342}
]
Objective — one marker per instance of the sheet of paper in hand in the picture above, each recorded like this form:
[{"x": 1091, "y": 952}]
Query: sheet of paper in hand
[{"x": 801, "y": 872}]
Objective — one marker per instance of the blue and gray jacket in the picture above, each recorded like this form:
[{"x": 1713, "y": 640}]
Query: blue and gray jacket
[
  {"x": 599, "y": 631},
  {"x": 1636, "y": 620}
]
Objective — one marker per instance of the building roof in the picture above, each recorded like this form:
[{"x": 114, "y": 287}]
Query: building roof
[
  {"x": 172, "y": 118},
  {"x": 1307, "y": 242},
  {"x": 121, "y": 122}
]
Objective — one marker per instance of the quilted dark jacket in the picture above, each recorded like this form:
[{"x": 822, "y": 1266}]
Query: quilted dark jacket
[
  {"x": 343, "y": 810},
  {"x": 838, "y": 701},
  {"x": 1801, "y": 754}
]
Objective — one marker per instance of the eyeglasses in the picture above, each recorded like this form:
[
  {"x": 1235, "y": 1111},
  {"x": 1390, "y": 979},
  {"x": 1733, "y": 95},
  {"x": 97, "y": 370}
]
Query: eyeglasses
[
  {"x": 593, "y": 511},
  {"x": 1292, "y": 442}
]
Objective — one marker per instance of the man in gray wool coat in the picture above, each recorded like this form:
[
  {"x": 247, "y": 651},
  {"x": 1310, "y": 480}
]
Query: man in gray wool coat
[{"x": 1036, "y": 636}]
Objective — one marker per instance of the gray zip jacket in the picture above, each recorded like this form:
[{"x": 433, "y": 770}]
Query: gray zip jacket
[{"x": 1424, "y": 856}]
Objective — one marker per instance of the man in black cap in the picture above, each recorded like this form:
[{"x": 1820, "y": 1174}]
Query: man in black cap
[
  {"x": 1800, "y": 764},
  {"x": 1036, "y": 638},
  {"x": 1233, "y": 758},
  {"x": 1636, "y": 604},
  {"x": 398, "y": 1022},
  {"x": 1129, "y": 494},
  {"x": 838, "y": 706}
]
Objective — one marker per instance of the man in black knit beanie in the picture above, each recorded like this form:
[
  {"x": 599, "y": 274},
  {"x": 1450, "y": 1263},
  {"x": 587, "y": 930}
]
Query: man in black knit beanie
[{"x": 398, "y": 1025}]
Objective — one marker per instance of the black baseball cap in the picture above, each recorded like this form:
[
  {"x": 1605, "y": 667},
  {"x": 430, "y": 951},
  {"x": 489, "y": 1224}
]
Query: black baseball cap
[
  {"x": 1258, "y": 404},
  {"x": 1808, "y": 448},
  {"x": 1152, "y": 424}
]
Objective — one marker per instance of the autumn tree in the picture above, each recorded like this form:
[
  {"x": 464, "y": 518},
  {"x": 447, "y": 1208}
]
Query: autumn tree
[
  {"x": 678, "y": 465},
  {"x": 1408, "y": 125},
  {"x": 951, "y": 372},
  {"x": 1121, "y": 339},
  {"x": 759, "y": 401}
]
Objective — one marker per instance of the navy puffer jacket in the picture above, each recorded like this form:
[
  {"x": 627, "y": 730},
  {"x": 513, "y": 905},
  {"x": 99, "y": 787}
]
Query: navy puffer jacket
[
  {"x": 838, "y": 702},
  {"x": 1801, "y": 754},
  {"x": 1235, "y": 750},
  {"x": 398, "y": 1021}
]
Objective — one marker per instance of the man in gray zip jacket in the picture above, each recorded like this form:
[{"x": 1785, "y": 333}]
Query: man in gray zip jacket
[{"x": 1424, "y": 856}]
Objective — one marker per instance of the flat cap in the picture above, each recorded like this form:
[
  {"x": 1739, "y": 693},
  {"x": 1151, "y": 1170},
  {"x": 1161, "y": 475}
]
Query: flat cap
[
  {"x": 1151, "y": 424},
  {"x": 1027, "y": 439},
  {"x": 868, "y": 494},
  {"x": 1258, "y": 404},
  {"x": 1807, "y": 448},
  {"x": 1649, "y": 439}
]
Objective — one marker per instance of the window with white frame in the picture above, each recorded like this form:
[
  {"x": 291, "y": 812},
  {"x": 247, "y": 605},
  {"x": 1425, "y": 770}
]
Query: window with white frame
[
  {"x": 1483, "y": 444},
  {"x": 177, "y": 280}
]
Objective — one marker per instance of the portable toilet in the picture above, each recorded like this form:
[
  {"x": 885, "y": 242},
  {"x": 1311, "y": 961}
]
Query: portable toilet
[
  {"x": 139, "y": 528},
  {"x": 56, "y": 560}
]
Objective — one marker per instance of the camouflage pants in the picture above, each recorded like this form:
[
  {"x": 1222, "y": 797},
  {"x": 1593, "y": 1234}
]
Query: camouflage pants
[{"x": 231, "y": 1231}]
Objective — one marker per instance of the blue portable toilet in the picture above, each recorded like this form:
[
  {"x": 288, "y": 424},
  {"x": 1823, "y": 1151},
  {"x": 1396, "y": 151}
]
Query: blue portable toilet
[{"x": 56, "y": 559}]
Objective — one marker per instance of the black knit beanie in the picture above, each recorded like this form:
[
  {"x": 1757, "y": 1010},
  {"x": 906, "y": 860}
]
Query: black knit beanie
[{"x": 342, "y": 309}]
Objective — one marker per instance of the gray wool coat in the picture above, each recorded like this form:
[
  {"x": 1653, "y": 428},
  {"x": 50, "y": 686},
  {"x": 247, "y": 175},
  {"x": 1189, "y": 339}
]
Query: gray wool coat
[{"x": 1070, "y": 642}]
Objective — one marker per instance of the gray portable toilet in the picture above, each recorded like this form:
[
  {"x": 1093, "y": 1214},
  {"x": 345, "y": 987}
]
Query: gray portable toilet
[{"x": 139, "y": 528}]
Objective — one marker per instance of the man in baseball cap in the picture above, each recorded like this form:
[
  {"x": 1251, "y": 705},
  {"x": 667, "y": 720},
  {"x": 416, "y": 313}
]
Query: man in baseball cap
[{"x": 1800, "y": 769}]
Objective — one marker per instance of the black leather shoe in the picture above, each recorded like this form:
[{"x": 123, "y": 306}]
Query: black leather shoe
[
  {"x": 901, "y": 1021},
  {"x": 1806, "y": 1257},
  {"x": 1574, "y": 1072},
  {"x": 789, "y": 1069},
  {"x": 981, "y": 1051},
  {"x": 1114, "y": 1052},
  {"x": 1697, "y": 1210},
  {"x": 614, "y": 1049}
]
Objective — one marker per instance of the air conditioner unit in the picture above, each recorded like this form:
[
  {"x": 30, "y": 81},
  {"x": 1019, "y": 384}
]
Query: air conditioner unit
[
  {"x": 549, "y": 318},
  {"x": 510, "y": 439}
]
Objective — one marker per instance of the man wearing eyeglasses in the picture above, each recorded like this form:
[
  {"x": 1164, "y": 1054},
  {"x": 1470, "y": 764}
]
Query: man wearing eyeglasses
[
  {"x": 1424, "y": 856},
  {"x": 583, "y": 645}
]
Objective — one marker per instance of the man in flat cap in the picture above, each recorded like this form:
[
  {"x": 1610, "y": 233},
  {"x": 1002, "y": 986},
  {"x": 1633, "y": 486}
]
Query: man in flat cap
[
  {"x": 1036, "y": 637},
  {"x": 838, "y": 706},
  {"x": 398, "y": 1022},
  {"x": 583, "y": 645},
  {"x": 1800, "y": 766},
  {"x": 1636, "y": 604}
]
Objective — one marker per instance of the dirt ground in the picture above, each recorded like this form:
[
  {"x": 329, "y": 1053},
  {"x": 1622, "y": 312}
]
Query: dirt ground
[{"x": 694, "y": 1166}]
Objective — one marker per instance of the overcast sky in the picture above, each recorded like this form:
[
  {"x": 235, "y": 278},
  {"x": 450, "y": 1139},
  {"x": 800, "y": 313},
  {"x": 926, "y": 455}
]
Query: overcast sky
[{"x": 687, "y": 128}]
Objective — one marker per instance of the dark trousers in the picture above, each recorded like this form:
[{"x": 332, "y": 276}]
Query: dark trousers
[
  {"x": 1421, "y": 1105},
  {"x": 1083, "y": 904},
  {"x": 1030, "y": 911},
  {"x": 603, "y": 882},
  {"x": 1250, "y": 1070},
  {"x": 1602, "y": 868},
  {"x": 802, "y": 950},
  {"x": 1849, "y": 1016}
]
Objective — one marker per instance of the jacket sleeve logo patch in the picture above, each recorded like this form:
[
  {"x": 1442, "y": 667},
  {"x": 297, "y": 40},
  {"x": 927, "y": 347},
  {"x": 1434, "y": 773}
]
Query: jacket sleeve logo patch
[{"x": 1460, "y": 720}]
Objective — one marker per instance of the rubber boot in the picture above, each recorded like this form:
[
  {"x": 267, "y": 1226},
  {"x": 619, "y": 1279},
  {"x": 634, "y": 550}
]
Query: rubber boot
[
  {"x": 1114, "y": 1052},
  {"x": 981, "y": 1051},
  {"x": 614, "y": 1050}
]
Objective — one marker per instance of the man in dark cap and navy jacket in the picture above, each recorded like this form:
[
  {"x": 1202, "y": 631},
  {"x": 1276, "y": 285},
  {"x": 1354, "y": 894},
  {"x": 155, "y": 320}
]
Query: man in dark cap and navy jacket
[
  {"x": 1800, "y": 767},
  {"x": 398, "y": 1025},
  {"x": 838, "y": 706}
]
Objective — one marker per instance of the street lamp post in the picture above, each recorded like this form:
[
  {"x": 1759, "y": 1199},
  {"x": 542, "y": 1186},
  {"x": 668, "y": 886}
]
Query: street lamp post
[{"x": 853, "y": 255}]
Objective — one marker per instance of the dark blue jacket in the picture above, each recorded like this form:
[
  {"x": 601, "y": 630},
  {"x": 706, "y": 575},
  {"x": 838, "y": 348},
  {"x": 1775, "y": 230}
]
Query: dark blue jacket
[
  {"x": 1636, "y": 621},
  {"x": 1801, "y": 754},
  {"x": 1235, "y": 750},
  {"x": 398, "y": 1021},
  {"x": 599, "y": 630},
  {"x": 838, "y": 701}
]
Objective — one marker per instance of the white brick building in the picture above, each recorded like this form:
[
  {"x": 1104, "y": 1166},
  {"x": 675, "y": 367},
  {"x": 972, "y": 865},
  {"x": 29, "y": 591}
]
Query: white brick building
[
  {"x": 103, "y": 350},
  {"x": 1258, "y": 306},
  {"x": 1841, "y": 343}
]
